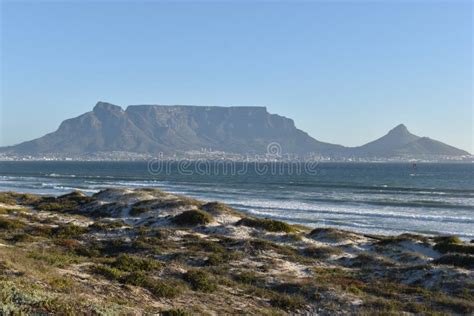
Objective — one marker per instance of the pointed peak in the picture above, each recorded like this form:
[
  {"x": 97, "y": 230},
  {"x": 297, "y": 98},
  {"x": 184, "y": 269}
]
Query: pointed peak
[
  {"x": 399, "y": 129},
  {"x": 107, "y": 107}
]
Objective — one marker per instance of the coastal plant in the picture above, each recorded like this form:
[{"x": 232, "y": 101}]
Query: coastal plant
[
  {"x": 455, "y": 259},
  {"x": 68, "y": 231},
  {"x": 108, "y": 272},
  {"x": 266, "y": 224},
  {"x": 10, "y": 224},
  {"x": 249, "y": 277},
  {"x": 167, "y": 288},
  {"x": 175, "y": 312},
  {"x": 127, "y": 262},
  {"x": 330, "y": 234},
  {"x": 323, "y": 252},
  {"x": 288, "y": 302},
  {"x": 192, "y": 218},
  {"x": 217, "y": 208},
  {"x": 200, "y": 280},
  {"x": 452, "y": 244}
]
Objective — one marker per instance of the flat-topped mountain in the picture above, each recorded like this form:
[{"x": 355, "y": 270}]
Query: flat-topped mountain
[
  {"x": 169, "y": 129},
  {"x": 152, "y": 129}
]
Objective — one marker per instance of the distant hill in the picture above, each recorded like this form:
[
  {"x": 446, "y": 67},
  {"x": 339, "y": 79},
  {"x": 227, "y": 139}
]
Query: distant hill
[
  {"x": 151, "y": 129},
  {"x": 400, "y": 142}
]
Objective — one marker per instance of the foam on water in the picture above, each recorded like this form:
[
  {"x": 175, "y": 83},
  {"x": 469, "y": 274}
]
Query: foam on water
[{"x": 370, "y": 198}]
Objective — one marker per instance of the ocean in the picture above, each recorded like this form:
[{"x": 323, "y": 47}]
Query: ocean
[{"x": 377, "y": 198}]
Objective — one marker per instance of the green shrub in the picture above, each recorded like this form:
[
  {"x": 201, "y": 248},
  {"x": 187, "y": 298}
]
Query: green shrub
[
  {"x": 158, "y": 287},
  {"x": 459, "y": 260},
  {"x": 321, "y": 252},
  {"x": 255, "y": 245},
  {"x": 68, "y": 231},
  {"x": 165, "y": 288},
  {"x": 391, "y": 240},
  {"x": 137, "y": 211},
  {"x": 447, "y": 239},
  {"x": 23, "y": 237},
  {"x": 266, "y": 224},
  {"x": 6, "y": 210},
  {"x": 287, "y": 302},
  {"x": 7, "y": 198},
  {"x": 175, "y": 312},
  {"x": 215, "y": 259},
  {"x": 329, "y": 234},
  {"x": 108, "y": 272},
  {"x": 196, "y": 243},
  {"x": 71, "y": 202},
  {"x": 6, "y": 223},
  {"x": 42, "y": 231},
  {"x": 250, "y": 278},
  {"x": 54, "y": 258},
  {"x": 130, "y": 263},
  {"x": 217, "y": 208},
  {"x": 448, "y": 244},
  {"x": 13, "y": 198},
  {"x": 200, "y": 280},
  {"x": 106, "y": 225},
  {"x": 192, "y": 218}
]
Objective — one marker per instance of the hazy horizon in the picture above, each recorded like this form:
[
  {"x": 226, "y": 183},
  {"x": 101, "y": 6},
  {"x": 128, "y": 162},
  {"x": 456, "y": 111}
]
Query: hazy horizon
[{"x": 346, "y": 73}]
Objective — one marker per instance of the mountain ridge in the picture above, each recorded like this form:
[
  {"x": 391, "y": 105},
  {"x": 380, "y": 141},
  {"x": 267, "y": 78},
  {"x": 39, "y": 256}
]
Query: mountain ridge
[{"x": 152, "y": 129}]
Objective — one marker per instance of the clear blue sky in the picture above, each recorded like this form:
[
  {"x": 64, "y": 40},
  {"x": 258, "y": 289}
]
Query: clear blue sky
[{"x": 346, "y": 72}]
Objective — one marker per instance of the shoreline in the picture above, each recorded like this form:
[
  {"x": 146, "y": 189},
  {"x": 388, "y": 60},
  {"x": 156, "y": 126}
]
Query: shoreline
[{"x": 139, "y": 250}]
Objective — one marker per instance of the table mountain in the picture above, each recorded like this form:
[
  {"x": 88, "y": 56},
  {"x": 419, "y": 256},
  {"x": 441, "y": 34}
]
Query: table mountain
[
  {"x": 169, "y": 129},
  {"x": 151, "y": 129}
]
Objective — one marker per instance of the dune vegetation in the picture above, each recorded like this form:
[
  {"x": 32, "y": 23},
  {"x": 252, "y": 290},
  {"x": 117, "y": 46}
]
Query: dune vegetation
[{"x": 146, "y": 251}]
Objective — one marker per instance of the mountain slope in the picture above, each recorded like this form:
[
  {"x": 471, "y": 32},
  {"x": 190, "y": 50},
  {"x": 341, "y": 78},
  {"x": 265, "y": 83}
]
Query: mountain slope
[
  {"x": 400, "y": 142},
  {"x": 169, "y": 129}
]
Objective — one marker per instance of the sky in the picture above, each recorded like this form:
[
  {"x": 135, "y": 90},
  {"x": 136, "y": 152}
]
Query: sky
[{"x": 346, "y": 72}]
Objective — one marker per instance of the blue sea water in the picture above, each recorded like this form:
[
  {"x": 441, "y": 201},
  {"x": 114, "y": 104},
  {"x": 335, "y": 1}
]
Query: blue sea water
[{"x": 366, "y": 197}]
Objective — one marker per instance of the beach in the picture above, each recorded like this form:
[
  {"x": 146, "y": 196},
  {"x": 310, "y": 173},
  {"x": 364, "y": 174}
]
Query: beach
[{"x": 135, "y": 251}]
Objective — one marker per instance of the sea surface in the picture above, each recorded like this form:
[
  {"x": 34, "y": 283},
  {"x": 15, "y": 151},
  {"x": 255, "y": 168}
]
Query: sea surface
[{"x": 366, "y": 197}]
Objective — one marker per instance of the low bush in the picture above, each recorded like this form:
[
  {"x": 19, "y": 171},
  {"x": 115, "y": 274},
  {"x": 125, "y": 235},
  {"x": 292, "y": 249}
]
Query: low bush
[
  {"x": 217, "y": 208},
  {"x": 10, "y": 224},
  {"x": 167, "y": 288},
  {"x": 216, "y": 259},
  {"x": 321, "y": 252},
  {"x": 108, "y": 272},
  {"x": 331, "y": 234},
  {"x": 13, "y": 198},
  {"x": 23, "y": 237},
  {"x": 54, "y": 257},
  {"x": 68, "y": 231},
  {"x": 266, "y": 224},
  {"x": 250, "y": 278},
  {"x": 130, "y": 263},
  {"x": 137, "y": 211},
  {"x": 175, "y": 312},
  {"x": 200, "y": 280},
  {"x": 447, "y": 239},
  {"x": 452, "y": 244},
  {"x": 192, "y": 218},
  {"x": 288, "y": 302},
  {"x": 459, "y": 260}
]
